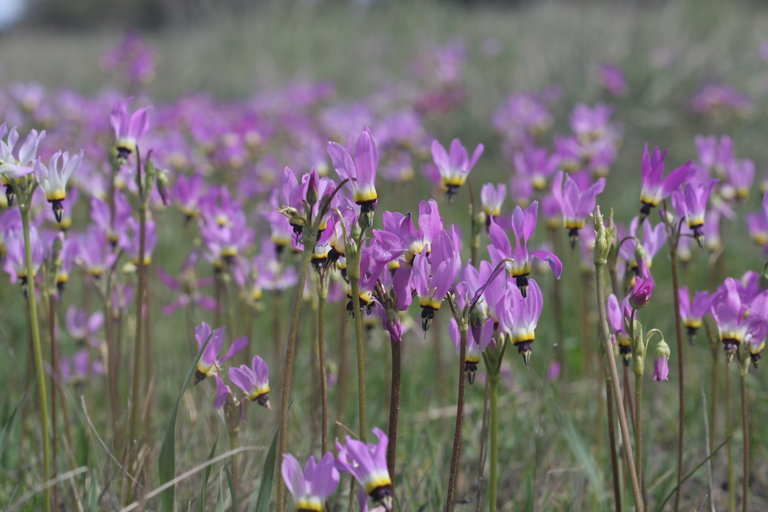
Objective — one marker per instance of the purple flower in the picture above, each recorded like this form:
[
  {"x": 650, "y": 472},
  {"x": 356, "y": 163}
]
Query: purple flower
[
  {"x": 518, "y": 317},
  {"x": 757, "y": 223},
  {"x": 715, "y": 154},
  {"x": 477, "y": 341},
  {"x": 253, "y": 381},
  {"x": 617, "y": 317},
  {"x": 660, "y": 363},
  {"x": 576, "y": 201},
  {"x": 491, "y": 198},
  {"x": 53, "y": 178},
  {"x": 359, "y": 167},
  {"x": 368, "y": 464},
  {"x": 433, "y": 275},
  {"x": 81, "y": 326},
  {"x": 187, "y": 193},
  {"x": 655, "y": 186},
  {"x": 612, "y": 79},
  {"x": 642, "y": 289},
  {"x": 693, "y": 313},
  {"x": 128, "y": 127},
  {"x": 209, "y": 363},
  {"x": 311, "y": 486},
  {"x": 454, "y": 166},
  {"x": 692, "y": 204},
  {"x": 729, "y": 311},
  {"x": 17, "y": 160},
  {"x": 523, "y": 226},
  {"x": 535, "y": 165}
]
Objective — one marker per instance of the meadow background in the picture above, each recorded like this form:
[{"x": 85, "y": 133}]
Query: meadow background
[{"x": 553, "y": 453}]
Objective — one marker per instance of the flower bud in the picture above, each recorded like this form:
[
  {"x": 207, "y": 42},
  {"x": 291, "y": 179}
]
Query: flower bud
[{"x": 660, "y": 364}]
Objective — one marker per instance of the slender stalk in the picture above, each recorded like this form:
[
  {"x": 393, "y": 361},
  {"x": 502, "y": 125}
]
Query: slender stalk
[
  {"x": 341, "y": 387},
  {"x": 321, "y": 299},
  {"x": 483, "y": 440},
  {"x": 557, "y": 308},
  {"x": 729, "y": 429},
  {"x": 745, "y": 441},
  {"x": 639, "y": 430},
  {"x": 713, "y": 398},
  {"x": 456, "y": 452},
  {"x": 614, "y": 378},
  {"x": 54, "y": 377},
  {"x": 353, "y": 270},
  {"x": 394, "y": 410},
  {"x": 290, "y": 356},
  {"x": 148, "y": 362},
  {"x": 277, "y": 313},
  {"x": 615, "y": 471},
  {"x": 234, "y": 445},
  {"x": 137, "y": 346},
  {"x": 680, "y": 369},
  {"x": 437, "y": 357},
  {"x": 493, "y": 488},
  {"x": 38, "y": 355}
]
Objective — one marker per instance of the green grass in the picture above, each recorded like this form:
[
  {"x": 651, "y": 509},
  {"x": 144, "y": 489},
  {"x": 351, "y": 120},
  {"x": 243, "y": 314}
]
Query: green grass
[{"x": 553, "y": 454}]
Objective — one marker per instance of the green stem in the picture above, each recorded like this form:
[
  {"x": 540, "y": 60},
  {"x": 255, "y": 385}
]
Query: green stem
[
  {"x": 322, "y": 294},
  {"x": 729, "y": 429},
  {"x": 456, "y": 452},
  {"x": 38, "y": 355},
  {"x": 680, "y": 370},
  {"x": 745, "y": 441},
  {"x": 617, "y": 394},
  {"x": 341, "y": 388},
  {"x": 290, "y": 356},
  {"x": 394, "y": 411},
  {"x": 493, "y": 488},
  {"x": 354, "y": 277},
  {"x": 612, "y": 441},
  {"x": 483, "y": 442},
  {"x": 233, "y": 445},
  {"x": 54, "y": 378},
  {"x": 639, "y": 429}
]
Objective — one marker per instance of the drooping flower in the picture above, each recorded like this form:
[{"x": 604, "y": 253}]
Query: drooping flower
[
  {"x": 433, "y": 275},
  {"x": 523, "y": 226},
  {"x": 454, "y": 166},
  {"x": 311, "y": 486},
  {"x": 728, "y": 310},
  {"x": 491, "y": 198},
  {"x": 617, "y": 316},
  {"x": 612, "y": 79},
  {"x": 17, "y": 160},
  {"x": 53, "y": 178},
  {"x": 209, "y": 363},
  {"x": 518, "y": 317},
  {"x": 655, "y": 186},
  {"x": 359, "y": 166},
  {"x": 128, "y": 128},
  {"x": 576, "y": 201},
  {"x": 642, "y": 289},
  {"x": 475, "y": 345},
  {"x": 368, "y": 464},
  {"x": 253, "y": 381},
  {"x": 692, "y": 313},
  {"x": 691, "y": 203},
  {"x": 661, "y": 362}
]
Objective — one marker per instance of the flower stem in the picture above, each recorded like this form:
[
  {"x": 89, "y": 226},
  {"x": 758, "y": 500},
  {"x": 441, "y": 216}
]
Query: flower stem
[
  {"x": 612, "y": 441},
  {"x": 341, "y": 388},
  {"x": 354, "y": 281},
  {"x": 54, "y": 378},
  {"x": 729, "y": 429},
  {"x": 614, "y": 379},
  {"x": 745, "y": 435},
  {"x": 680, "y": 370},
  {"x": 483, "y": 442},
  {"x": 639, "y": 429},
  {"x": 493, "y": 488},
  {"x": 456, "y": 452},
  {"x": 38, "y": 355},
  {"x": 290, "y": 356},
  {"x": 321, "y": 299},
  {"x": 394, "y": 410}
]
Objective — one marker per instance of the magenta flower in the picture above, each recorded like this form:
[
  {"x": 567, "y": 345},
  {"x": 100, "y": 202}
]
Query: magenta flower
[
  {"x": 523, "y": 226},
  {"x": 612, "y": 79},
  {"x": 368, "y": 464},
  {"x": 642, "y": 289},
  {"x": 311, "y": 486},
  {"x": 253, "y": 381},
  {"x": 715, "y": 154},
  {"x": 661, "y": 362},
  {"x": 693, "y": 312},
  {"x": 535, "y": 165},
  {"x": 655, "y": 186},
  {"x": 691, "y": 203},
  {"x": 617, "y": 317},
  {"x": 757, "y": 223},
  {"x": 518, "y": 317},
  {"x": 187, "y": 193},
  {"x": 729, "y": 311},
  {"x": 359, "y": 167},
  {"x": 576, "y": 201},
  {"x": 433, "y": 275},
  {"x": 209, "y": 364},
  {"x": 477, "y": 341},
  {"x": 83, "y": 327},
  {"x": 454, "y": 166},
  {"x": 491, "y": 198},
  {"x": 128, "y": 127},
  {"x": 187, "y": 288},
  {"x": 18, "y": 160}
]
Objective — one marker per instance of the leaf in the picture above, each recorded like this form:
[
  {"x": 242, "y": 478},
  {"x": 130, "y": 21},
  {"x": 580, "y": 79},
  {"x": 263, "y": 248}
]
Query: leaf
[
  {"x": 207, "y": 474},
  {"x": 167, "y": 461},
  {"x": 232, "y": 492},
  {"x": 267, "y": 478},
  {"x": 8, "y": 424}
]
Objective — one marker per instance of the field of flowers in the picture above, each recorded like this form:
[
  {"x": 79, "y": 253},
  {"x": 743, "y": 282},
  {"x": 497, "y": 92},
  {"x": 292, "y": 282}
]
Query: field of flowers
[{"x": 388, "y": 258}]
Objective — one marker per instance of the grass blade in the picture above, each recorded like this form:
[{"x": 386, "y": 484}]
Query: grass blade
[
  {"x": 8, "y": 424},
  {"x": 167, "y": 460},
  {"x": 201, "y": 507},
  {"x": 267, "y": 478}
]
